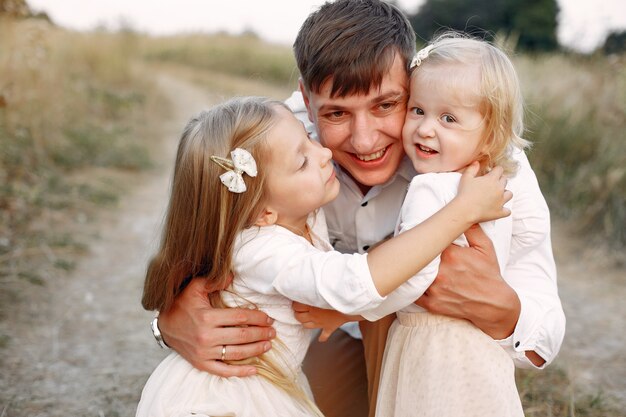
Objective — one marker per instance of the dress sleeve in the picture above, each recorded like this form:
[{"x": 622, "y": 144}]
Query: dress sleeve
[
  {"x": 427, "y": 194},
  {"x": 531, "y": 272},
  {"x": 275, "y": 261}
]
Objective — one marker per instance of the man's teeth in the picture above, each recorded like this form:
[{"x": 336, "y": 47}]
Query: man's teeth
[
  {"x": 426, "y": 149},
  {"x": 371, "y": 156}
]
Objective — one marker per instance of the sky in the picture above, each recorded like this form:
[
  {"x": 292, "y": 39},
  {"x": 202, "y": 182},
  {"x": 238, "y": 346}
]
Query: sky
[{"x": 583, "y": 24}]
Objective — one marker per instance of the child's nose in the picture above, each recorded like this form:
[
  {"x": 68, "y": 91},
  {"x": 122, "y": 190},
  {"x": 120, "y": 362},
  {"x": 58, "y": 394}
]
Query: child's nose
[
  {"x": 327, "y": 155},
  {"x": 426, "y": 128}
]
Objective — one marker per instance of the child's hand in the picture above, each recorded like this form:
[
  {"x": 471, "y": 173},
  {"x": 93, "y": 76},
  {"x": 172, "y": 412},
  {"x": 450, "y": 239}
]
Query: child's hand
[
  {"x": 319, "y": 318},
  {"x": 484, "y": 196}
]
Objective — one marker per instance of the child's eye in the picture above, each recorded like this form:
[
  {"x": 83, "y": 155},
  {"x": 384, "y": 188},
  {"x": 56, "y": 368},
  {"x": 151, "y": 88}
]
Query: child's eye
[
  {"x": 417, "y": 110},
  {"x": 448, "y": 118},
  {"x": 305, "y": 163}
]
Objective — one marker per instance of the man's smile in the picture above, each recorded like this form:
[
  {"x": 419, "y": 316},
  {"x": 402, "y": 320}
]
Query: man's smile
[{"x": 372, "y": 156}]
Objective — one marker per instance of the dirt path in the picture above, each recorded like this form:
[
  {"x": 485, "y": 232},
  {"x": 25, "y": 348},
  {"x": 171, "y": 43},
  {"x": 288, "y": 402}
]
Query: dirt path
[
  {"x": 84, "y": 349},
  {"x": 593, "y": 292}
]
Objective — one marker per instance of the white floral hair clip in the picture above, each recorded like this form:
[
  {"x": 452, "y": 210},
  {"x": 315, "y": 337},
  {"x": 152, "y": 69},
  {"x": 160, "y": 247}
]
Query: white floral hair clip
[
  {"x": 420, "y": 56},
  {"x": 241, "y": 161}
]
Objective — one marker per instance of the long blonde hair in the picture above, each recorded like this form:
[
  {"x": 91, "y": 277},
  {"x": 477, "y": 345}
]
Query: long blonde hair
[
  {"x": 499, "y": 90},
  {"x": 204, "y": 218}
]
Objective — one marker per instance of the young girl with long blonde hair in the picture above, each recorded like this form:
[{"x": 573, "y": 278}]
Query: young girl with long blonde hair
[{"x": 245, "y": 202}]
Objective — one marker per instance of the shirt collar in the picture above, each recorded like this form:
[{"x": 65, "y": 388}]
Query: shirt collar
[{"x": 405, "y": 172}]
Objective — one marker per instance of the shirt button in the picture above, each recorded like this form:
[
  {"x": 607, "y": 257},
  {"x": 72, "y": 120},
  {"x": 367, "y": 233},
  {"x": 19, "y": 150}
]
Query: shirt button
[
  {"x": 366, "y": 247},
  {"x": 364, "y": 204},
  {"x": 517, "y": 344}
]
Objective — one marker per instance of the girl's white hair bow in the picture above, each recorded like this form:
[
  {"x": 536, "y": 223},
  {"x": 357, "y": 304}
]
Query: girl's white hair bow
[
  {"x": 420, "y": 56},
  {"x": 241, "y": 161}
]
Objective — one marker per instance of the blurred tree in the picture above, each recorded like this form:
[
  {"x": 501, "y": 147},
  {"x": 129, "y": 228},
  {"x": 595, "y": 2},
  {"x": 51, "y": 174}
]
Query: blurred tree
[
  {"x": 14, "y": 8},
  {"x": 615, "y": 43},
  {"x": 532, "y": 22}
]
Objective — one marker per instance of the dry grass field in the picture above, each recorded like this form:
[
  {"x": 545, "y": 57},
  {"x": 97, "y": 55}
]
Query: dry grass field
[{"x": 82, "y": 118}]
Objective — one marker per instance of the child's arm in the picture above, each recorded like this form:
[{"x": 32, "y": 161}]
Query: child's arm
[
  {"x": 321, "y": 318},
  {"x": 479, "y": 199},
  {"x": 355, "y": 283}
]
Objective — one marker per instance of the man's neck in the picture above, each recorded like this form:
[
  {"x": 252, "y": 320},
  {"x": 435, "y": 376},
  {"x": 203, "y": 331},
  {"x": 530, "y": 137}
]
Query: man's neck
[{"x": 364, "y": 188}]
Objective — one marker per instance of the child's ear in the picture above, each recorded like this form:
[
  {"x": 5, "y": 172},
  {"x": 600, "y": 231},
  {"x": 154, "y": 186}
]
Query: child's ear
[
  {"x": 267, "y": 217},
  {"x": 305, "y": 97}
]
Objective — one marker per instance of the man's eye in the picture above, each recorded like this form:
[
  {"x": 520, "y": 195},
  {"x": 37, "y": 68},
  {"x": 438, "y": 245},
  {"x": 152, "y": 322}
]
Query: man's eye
[
  {"x": 387, "y": 105},
  {"x": 337, "y": 114},
  {"x": 448, "y": 118}
]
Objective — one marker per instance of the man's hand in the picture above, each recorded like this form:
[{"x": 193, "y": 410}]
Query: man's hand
[
  {"x": 319, "y": 318},
  {"x": 469, "y": 286},
  {"x": 198, "y": 332}
]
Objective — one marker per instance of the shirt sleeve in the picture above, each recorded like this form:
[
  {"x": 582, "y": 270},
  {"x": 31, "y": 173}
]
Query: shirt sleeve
[
  {"x": 531, "y": 272},
  {"x": 280, "y": 262},
  {"x": 427, "y": 194}
]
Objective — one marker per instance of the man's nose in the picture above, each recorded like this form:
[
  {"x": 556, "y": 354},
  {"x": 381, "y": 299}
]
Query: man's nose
[{"x": 364, "y": 133}]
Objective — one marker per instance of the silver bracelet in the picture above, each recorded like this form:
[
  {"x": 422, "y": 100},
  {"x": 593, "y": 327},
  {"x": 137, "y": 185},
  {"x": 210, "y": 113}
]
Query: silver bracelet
[{"x": 154, "y": 326}]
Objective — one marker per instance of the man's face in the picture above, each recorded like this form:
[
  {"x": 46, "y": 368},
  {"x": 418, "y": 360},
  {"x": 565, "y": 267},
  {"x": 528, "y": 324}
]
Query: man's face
[{"x": 364, "y": 132}]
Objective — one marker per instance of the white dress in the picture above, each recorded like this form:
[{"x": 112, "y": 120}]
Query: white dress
[
  {"x": 265, "y": 259},
  {"x": 437, "y": 366}
]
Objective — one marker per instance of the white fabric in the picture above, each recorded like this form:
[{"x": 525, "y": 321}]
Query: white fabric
[
  {"x": 531, "y": 272},
  {"x": 276, "y": 262},
  {"x": 242, "y": 161},
  {"x": 427, "y": 194},
  {"x": 272, "y": 267},
  {"x": 421, "y": 55},
  {"x": 458, "y": 371},
  {"x": 177, "y": 389}
]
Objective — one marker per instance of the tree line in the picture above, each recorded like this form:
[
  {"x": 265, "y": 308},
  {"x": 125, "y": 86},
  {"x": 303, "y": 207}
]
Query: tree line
[{"x": 532, "y": 24}]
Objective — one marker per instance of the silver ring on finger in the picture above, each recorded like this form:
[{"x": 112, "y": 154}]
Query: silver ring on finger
[{"x": 223, "y": 353}]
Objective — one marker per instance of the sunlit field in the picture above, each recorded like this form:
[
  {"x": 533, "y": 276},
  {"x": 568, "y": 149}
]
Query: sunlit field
[
  {"x": 576, "y": 120},
  {"x": 72, "y": 111},
  {"x": 77, "y": 119}
]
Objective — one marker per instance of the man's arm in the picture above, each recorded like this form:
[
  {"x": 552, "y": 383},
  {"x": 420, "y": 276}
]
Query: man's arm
[
  {"x": 199, "y": 332},
  {"x": 469, "y": 286}
]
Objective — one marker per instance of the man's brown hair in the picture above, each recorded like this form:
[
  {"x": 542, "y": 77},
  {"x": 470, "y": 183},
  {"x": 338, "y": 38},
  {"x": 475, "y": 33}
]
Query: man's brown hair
[{"x": 354, "y": 43}]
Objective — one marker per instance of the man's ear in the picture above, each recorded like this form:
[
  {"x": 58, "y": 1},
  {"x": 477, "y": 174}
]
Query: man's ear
[
  {"x": 267, "y": 217},
  {"x": 305, "y": 96}
]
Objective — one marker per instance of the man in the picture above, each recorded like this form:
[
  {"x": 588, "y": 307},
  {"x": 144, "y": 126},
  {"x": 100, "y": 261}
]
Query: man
[{"x": 353, "y": 58}]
